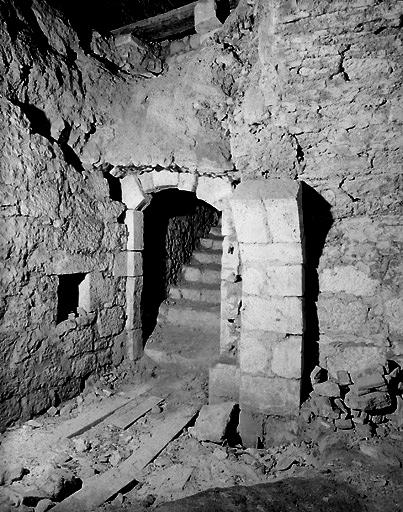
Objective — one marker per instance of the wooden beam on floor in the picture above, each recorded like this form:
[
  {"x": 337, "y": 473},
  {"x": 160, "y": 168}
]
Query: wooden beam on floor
[
  {"x": 93, "y": 416},
  {"x": 168, "y": 25},
  {"x": 100, "y": 488},
  {"x": 126, "y": 416}
]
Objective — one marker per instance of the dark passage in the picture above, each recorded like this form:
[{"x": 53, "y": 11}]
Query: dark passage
[
  {"x": 174, "y": 222},
  {"x": 67, "y": 295}
]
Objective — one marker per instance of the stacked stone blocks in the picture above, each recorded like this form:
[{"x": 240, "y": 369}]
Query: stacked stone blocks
[{"x": 268, "y": 224}]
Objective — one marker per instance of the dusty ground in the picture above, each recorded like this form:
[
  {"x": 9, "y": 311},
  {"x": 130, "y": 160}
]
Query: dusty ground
[{"x": 337, "y": 472}]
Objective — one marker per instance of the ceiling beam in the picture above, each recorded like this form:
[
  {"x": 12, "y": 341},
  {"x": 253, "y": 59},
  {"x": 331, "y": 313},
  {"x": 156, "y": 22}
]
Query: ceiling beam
[{"x": 168, "y": 25}]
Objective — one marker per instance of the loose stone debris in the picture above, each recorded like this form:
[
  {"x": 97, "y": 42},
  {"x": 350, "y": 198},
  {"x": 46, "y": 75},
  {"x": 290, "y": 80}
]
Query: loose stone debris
[{"x": 191, "y": 459}]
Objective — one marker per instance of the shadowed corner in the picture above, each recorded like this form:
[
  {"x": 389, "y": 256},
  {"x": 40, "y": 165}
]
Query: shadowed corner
[
  {"x": 317, "y": 223},
  {"x": 289, "y": 495}
]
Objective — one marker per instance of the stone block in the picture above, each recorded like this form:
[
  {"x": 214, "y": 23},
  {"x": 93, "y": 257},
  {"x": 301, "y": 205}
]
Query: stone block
[
  {"x": 368, "y": 382},
  {"x": 327, "y": 388},
  {"x": 205, "y": 17},
  {"x": 253, "y": 106},
  {"x": 230, "y": 258},
  {"x": 273, "y": 188},
  {"x": 134, "y": 344},
  {"x": 84, "y": 294},
  {"x": 282, "y": 314},
  {"x": 146, "y": 181},
  {"x": 251, "y": 427},
  {"x": 119, "y": 348},
  {"x": 165, "y": 179},
  {"x": 272, "y": 253},
  {"x": 110, "y": 321},
  {"x": 134, "y": 221},
  {"x": 374, "y": 403},
  {"x": 279, "y": 431},
  {"x": 394, "y": 314},
  {"x": 194, "y": 41},
  {"x": 264, "y": 280},
  {"x": 231, "y": 294},
  {"x": 284, "y": 219},
  {"x": 214, "y": 422},
  {"x": 255, "y": 352},
  {"x": 229, "y": 337},
  {"x": 212, "y": 190},
  {"x": 187, "y": 181},
  {"x": 227, "y": 222},
  {"x": 134, "y": 287},
  {"x": 128, "y": 264},
  {"x": 346, "y": 279},
  {"x": 224, "y": 381},
  {"x": 274, "y": 396},
  {"x": 132, "y": 193},
  {"x": 250, "y": 221},
  {"x": 287, "y": 357}
]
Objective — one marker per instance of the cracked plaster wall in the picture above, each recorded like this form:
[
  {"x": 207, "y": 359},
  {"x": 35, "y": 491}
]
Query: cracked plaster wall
[{"x": 307, "y": 90}]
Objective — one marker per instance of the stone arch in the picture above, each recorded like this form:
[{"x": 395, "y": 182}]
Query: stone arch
[
  {"x": 136, "y": 190},
  {"x": 262, "y": 281}
]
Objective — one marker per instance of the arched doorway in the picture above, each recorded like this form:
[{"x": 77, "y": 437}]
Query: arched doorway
[
  {"x": 260, "y": 363},
  {"x": 181, "y": 277}
]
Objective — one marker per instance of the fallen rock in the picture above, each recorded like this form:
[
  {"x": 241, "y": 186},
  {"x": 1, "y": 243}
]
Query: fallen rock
[
  {"x": 33, "y": 424},
  {"x": 322, "y": 406},
  {"x": 343, "y": 424},
  {"x": 364, "y": 431},
  {"x": 214, "y": 422},
  {"x": 343, "y": 378},
  {"x": 368, "y": 382},
  {"x": 220, "y": 454},
  {"x": 81, "y": 445},
  {"x": 19, "y": 494},
  {"x": 12, "y": 473},
  {"x": 328, "y": 388},
  {"x": 52, "y": 411},
  {"x": 375, "y": 402},
  {"x": 44, "y": 505},
  {"x": 115, "y": 458},
  {"x": 52, "y": 482},
  {"x": 285, "y": 462},
  {"x": 318, "y": 375}
]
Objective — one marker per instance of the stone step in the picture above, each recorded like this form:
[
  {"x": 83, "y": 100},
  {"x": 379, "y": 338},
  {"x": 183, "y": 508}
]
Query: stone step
[
  {"x": 207, "y": 256},
  {"x": 196, "y": 293},
  {"x": 191, "y": 314},
  {"x": 208, "y": 274},
  {"x": 214, "y": 243},
  {"x": 183, "y": 346},
  {"x": 216, "y": 231}
]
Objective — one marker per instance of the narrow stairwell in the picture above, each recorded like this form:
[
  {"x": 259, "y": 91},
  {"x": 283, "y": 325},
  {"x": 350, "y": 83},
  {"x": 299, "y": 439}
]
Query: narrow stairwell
[{"x": 188, "y": 325}]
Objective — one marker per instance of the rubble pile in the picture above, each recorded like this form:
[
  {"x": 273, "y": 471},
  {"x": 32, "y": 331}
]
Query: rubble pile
[{"x": 369, "y": 403}]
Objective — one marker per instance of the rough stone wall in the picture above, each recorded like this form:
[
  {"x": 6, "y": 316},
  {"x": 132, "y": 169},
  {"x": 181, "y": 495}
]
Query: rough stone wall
[
  {"x": 69, "y": 112},
  {"x": 307, "y": 90},
  {"x": 57, "y": 217},
  {"x": 319, "y": 101}
]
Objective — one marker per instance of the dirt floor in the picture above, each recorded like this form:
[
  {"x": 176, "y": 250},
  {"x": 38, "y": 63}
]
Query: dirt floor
[{"x": 336, "y": 472}]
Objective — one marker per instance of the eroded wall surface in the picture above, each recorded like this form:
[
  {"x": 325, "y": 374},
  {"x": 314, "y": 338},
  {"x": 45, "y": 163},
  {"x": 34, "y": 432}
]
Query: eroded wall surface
[
  {"x": 319, "y": 102},
  {"x": 306, "y": 91}
]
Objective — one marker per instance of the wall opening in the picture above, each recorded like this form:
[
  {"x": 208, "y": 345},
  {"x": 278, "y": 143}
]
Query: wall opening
[
  {"x": 174, "y": 222},
  {"x": 68, "y": 295}
]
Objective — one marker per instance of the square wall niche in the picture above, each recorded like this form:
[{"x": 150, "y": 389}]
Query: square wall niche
[{"x": 72, "y": 294}]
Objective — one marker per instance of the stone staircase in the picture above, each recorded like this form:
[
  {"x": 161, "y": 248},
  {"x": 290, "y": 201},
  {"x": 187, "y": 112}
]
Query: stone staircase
[{"x": 188, "y": 325}]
